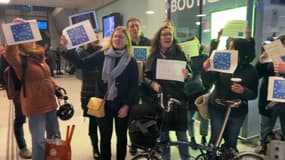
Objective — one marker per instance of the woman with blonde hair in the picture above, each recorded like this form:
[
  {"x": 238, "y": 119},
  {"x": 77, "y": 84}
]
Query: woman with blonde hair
[{"x": 118, "y": 83}]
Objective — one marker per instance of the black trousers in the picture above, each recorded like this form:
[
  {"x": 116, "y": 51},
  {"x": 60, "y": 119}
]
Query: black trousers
[
  {"x": 106, "y": 130},
  {"x": 19, "y": 121},
  {"x": 93, "y": 133}
]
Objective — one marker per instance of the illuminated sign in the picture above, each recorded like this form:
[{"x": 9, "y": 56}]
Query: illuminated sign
[{"x": 180, "y": 5}]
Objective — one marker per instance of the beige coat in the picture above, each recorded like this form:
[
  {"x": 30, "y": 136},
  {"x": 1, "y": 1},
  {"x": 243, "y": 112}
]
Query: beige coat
[{"x": 40, "y": 88}]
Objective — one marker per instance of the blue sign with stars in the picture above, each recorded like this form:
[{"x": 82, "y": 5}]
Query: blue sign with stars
[
  {"x": 279, "y": 89},
  {"x": 222, "y": 60},
  {"x": 22, "y": 32},
  {"x": 140, "y": 54},
  {"x": 77, "y": 35},
  {"x": 283, "y": 58}
]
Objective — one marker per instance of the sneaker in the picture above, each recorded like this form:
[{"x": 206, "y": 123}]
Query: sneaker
[
  {"x": 96, "y": 156},
  {"x": 261, "y": 150},
  {"x": 25, "y": 153},
  {"x": 133, "y": 150},
  {"x": 203, "y": 140}
]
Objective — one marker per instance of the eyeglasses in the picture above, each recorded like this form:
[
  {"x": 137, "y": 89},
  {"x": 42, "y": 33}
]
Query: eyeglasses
[
  {"x": 119, "y": 36},
  {"x": 166, "y": 34}
]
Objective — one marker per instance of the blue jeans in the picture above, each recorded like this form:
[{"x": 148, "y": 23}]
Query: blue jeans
[
  {"x": 204, "y": 124},
  {"x": 39, "y": 124},
  {"x": 267, "y": 123},
  {"x": 232, "y": 128},
  {"x": 183, "y": 150},
  {"x": 19, "y": 121}
]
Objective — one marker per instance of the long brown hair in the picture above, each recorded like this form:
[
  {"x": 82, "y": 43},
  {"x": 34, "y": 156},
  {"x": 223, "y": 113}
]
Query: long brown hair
[{"x": 155, "y": 43}]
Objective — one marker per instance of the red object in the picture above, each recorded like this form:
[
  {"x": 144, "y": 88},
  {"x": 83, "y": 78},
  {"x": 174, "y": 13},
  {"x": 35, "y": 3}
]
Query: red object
[
  {"x": 57, "y": 149},
  {"x": 2, "y": 52}
]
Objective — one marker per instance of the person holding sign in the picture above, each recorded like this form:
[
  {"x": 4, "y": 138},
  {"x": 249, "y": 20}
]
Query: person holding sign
[
  {"x": 226, "y": 89},
  {"x": 164, "y": 46},
  {"x": 138, "y": 39},
  {"x": 118, "y": 84},
  {"x": 37, "y": 95},
  {"x": 88, "y": 88},
  {"x": 268, "y": 115}
]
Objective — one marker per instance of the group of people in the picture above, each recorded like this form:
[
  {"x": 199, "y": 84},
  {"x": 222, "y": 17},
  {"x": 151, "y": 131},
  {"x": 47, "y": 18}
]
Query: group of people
[{"x": 111, "y": 72}]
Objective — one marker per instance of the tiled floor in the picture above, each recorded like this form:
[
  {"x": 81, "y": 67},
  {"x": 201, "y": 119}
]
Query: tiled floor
[{"x": 81, "y": 147}]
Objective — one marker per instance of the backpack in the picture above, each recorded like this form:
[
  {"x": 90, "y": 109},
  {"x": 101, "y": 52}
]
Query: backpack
[{"x": 12, "y": 84}]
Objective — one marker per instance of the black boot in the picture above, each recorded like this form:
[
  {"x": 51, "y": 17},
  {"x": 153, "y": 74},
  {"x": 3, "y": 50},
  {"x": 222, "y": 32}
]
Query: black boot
[{"x": 94, "y": 141}]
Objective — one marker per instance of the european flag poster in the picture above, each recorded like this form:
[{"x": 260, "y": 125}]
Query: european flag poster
[
  {"x": 224, "y": 61},
  {"x": 276, "y": 89},
  {"x": 141, "y": 52},
  {"x": 79, "y": 34},
  {"x": 21, "y": 32}
]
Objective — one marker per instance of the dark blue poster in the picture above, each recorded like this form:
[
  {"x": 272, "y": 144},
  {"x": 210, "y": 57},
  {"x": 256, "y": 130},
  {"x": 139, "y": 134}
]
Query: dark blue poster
[
  {"x": 22, "y": 32},
  {"x": 141, "y": 53},
  {"x": 222, "y": 60},
  {"x": 279, "y": 89},
  {"x": 77, "y": 35}
]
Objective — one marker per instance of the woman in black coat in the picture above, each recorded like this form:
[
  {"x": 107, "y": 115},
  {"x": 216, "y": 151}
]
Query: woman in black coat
[
  {"x": 246, "y": 90},
  {"x": 118, "y": 83},
  {"x": 164, "y": 46}
]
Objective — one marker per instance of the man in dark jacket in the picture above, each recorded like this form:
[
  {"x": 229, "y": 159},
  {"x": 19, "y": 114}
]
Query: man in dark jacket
[{"x": 137, "y": 38}]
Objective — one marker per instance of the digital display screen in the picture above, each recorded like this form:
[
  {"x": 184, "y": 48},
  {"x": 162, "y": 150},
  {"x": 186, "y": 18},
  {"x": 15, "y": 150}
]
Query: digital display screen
[
  {"x": 109, "y": 26},
  {"x": 43, "y": 25}
]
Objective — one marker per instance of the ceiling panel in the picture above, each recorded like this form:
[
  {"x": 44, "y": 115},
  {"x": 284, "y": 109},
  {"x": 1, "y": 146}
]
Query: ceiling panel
[{"x": 77, "y": 4}]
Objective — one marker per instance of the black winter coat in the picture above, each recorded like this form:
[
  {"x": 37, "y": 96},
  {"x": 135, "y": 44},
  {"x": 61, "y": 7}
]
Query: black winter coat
[
  {"x": 89, "y": 76},
  {"x": 222, "y": 89},
  {"x": 264, "y": 70},
  {"x": 177, "y": 118},
  {"x": 127, "y": 82}
]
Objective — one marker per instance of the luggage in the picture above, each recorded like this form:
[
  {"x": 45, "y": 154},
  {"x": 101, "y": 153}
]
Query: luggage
[{"x": 57, "y": 149}]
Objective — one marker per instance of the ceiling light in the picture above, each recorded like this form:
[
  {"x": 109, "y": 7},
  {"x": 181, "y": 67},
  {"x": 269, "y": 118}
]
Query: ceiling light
[
  {"x": 149, "y": 12},
  {"x": 4, "y": 1},
  {"x": 201, "y": 15}
]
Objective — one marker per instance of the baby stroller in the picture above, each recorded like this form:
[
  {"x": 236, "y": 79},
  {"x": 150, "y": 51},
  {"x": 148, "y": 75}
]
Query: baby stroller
[{"x": 143, "y": 126}]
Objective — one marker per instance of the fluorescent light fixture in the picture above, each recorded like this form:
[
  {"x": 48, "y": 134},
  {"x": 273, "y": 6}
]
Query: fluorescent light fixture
[
  {"x": 149, "y": 12},
  {"x": 201, "y": 15},
  {"x": 4, "y": 1}
]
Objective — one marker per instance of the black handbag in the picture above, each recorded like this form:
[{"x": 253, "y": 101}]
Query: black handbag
[{"x": 193, "y": 86}]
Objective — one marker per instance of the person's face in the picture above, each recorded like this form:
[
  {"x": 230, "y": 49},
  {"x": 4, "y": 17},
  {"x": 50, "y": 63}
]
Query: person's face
[
  {"x": 134, "y": 28},
  {"x": 166, "y": 38},
  {"x": 119, "y": 40},
  {"x": 29, "y": 45}
]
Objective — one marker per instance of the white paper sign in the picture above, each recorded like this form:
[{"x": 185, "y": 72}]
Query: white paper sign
[
  {"x": 79, "y": 34},
  {"x": 170, "y": 69},
  {"x": 224, "y": 61},
  {"x": 21, "y": 32},
  {"x": 276, "y": 89},
  {"x": 275, "y": 51}
]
